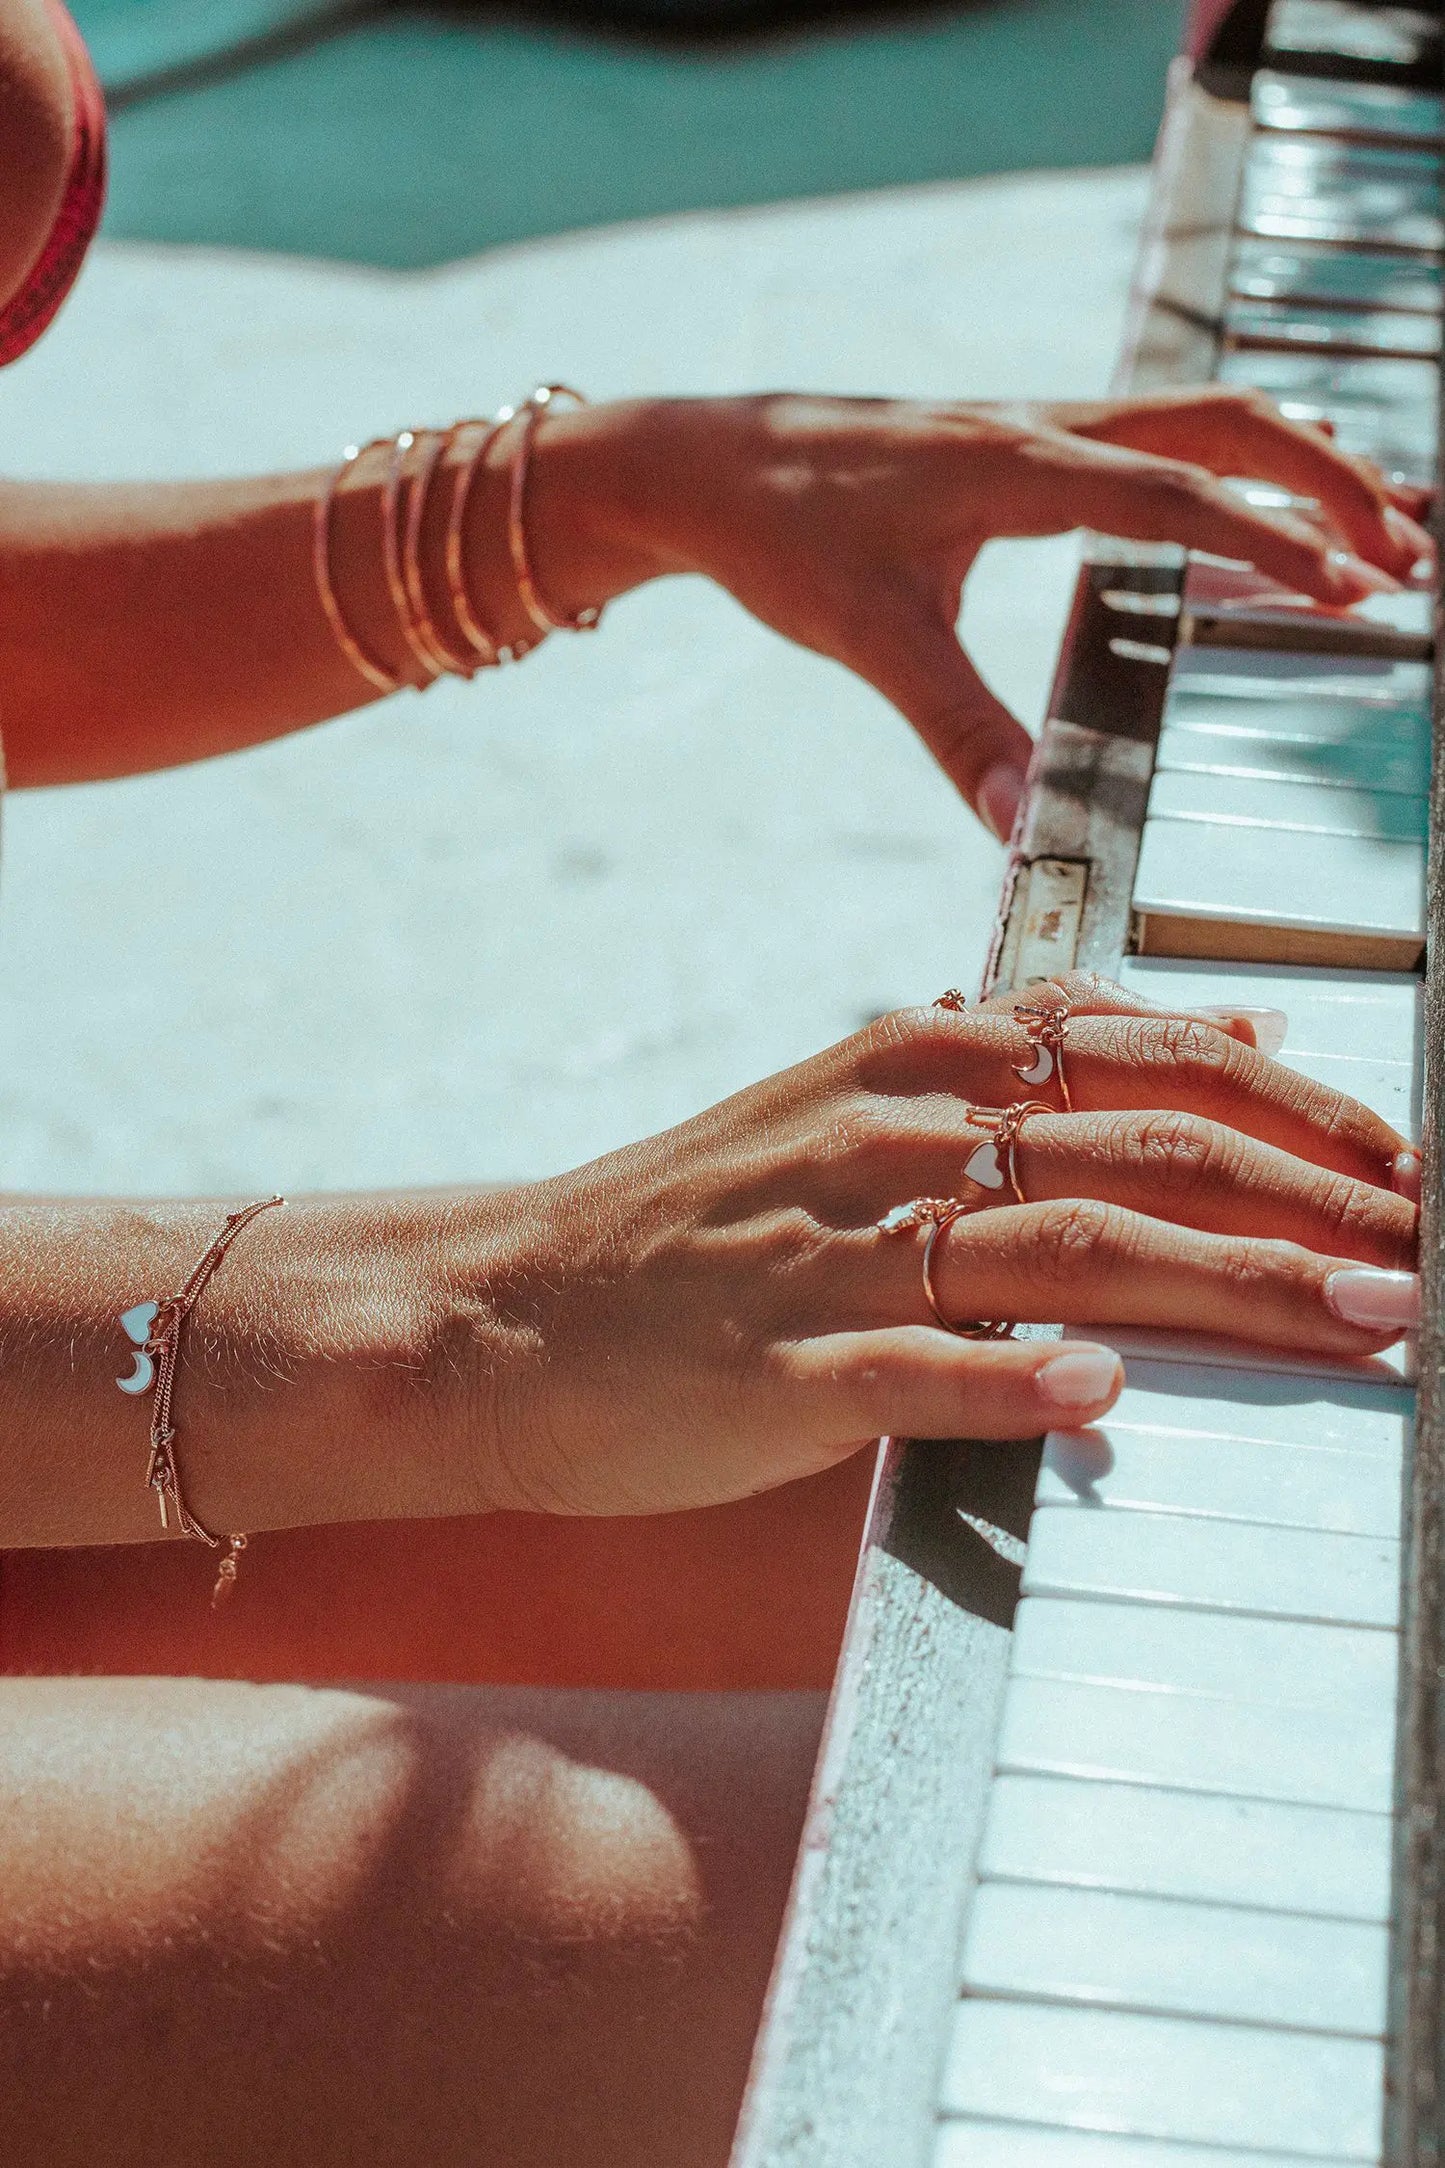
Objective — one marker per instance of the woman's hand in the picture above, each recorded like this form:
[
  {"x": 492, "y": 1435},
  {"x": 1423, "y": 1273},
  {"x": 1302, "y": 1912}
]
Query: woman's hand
[
  {"x": 850, "y": 525},
  {"x": 716, "y": 1311}
]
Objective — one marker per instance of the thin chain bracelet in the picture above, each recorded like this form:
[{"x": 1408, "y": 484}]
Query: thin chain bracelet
[{"x": 154, "y": 1328}]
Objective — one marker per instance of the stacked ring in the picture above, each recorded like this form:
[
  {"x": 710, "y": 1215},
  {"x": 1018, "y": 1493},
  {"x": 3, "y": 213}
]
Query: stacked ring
[
  {"x": 995, "y": 1161},
  {"x": 1044, "y": 1022}
]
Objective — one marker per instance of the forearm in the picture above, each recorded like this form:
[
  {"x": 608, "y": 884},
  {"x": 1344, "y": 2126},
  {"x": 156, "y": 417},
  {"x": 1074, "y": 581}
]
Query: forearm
[
  {"x": 142, "y": 626},
  {"x": 321, "y": 1375}
]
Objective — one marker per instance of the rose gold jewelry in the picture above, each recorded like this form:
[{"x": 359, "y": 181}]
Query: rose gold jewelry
[
  {"x": 938, "y": 1214},
  {"x": 995, "y": 1161},
  {"x": 375, "y": 673},
  {"x": 154, "y": 1330},
  {"x": 1044, "y": 1022},
  {"x": 952, "y": 999},
  {"x": 487, "y": 649},
  {"x": 543, "y": 616},
  {"x": 412, "y": 631},
  {"x": 438, "y": 444}
]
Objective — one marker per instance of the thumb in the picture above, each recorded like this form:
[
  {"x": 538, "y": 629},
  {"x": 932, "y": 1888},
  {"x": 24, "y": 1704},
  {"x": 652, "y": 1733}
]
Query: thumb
[{"x": 915, "y": 660}]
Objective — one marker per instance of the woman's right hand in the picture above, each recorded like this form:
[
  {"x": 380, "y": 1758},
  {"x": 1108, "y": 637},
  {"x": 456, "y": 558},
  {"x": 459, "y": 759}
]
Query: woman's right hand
[{"x": 716, "y": 1311}]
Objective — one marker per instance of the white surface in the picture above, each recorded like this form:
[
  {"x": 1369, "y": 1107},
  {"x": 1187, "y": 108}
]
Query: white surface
[
  {"x": 497, "y": 930},
  {"x": 1206, "y": 1847},
  {"x": 1284, "y": 877},
  {"x": 1114, "y": 1469},
  {"x": 1242, "y": 1566},
  {"x": 973, "y": 2144},
  {"x": 1314, "y": 807},
  {"x": 1395, "y": 762},
  {"x": 1275, "y": 1661},
  {"x": 1167, "y": 2077},
  {"x": 1200, "y": 1743},
  {"x": 1162, "y": 1954}
]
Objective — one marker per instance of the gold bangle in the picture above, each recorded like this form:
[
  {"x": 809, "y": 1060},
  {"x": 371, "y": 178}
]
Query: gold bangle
[
  {"x": 411, "y": 572},
  {"x": 415, "y": 639},
  {"x": 488, "y": 649},
  {"x": 375, "y": 673},
  {"x": 543, "y": 616}
]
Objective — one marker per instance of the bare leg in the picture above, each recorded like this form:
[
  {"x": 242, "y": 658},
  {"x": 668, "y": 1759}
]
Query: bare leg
[
  {"x": 740, "y": 1596},
  {"x": 439, "y": 1926}
]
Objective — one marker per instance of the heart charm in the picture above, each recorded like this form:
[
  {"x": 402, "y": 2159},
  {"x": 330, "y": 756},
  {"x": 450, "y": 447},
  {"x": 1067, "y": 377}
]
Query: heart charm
[
  {"x": 985, "y": 1167},
  {"x": 1041, "y": 1069},
  {"x": 136, "y": 1324}
]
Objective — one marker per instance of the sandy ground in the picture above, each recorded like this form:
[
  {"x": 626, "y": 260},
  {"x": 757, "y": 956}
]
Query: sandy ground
[{"x": 497, "y": 929}]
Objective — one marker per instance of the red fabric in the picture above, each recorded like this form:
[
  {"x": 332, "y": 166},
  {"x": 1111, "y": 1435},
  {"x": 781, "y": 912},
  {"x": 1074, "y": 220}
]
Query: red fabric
[{"x": 53, "y": 273}]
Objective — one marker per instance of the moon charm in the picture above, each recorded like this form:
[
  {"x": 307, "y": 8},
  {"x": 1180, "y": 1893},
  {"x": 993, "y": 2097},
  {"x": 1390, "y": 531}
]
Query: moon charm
[
  {"x": 984, "y": 1167},
  {"x": 141, "y": 1377},
  {"x": 1040, "y": 1070}
]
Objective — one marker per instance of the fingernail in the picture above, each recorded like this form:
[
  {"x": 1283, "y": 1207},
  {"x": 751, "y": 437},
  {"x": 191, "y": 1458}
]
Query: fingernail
[
  {"x": 1405, "y": 1175},
  {"x": 1351, "y": 575},
  {"x": 1364, "y": 1295},
  {"x": 1082, "y": 1377},
  {"x": 1407, "y": 536},
  {"x": 1269, "y": 1025},
  {"x": 999, "y": 797}
]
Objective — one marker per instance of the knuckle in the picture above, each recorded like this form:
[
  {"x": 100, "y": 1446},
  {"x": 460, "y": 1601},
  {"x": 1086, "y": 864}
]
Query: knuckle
[
  {"x": 1074, "y": 1233},
  {"x": 1359, "y": 1217},
  {"x": 1194, "y": 1051},
  {"x": 1183, "y": 1151},
  {"x": 913, "y": 1039}
]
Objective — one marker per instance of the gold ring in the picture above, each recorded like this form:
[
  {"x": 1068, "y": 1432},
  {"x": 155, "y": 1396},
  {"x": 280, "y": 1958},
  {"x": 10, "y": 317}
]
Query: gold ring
[
  {"x": 937, "y": 1214},
  {"x": 1044, "y": 1022}
]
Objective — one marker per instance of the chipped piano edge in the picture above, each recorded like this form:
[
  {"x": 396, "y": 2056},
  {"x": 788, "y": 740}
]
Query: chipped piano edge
[
  {"x": 1415, "y": 2066},
  {"x": 849, "y": 2059}
]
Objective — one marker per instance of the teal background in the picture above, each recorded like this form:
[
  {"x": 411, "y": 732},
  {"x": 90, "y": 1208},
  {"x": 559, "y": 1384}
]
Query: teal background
[{"x": 408, "y": 137}]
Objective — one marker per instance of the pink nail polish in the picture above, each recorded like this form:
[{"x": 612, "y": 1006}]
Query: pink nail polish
[
  {"x": 1405, "y": 1175},
  {"x": 1380, "y": 1301},
  {"x": 999, "y": 797},
  {"x": 1269, "y": 1025},
  {"x": 1082, "y": 1377}
]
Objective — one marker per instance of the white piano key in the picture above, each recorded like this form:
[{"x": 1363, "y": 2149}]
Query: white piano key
[
  {"x": 1219, "y": 1352},
  {"x": 1314, "y": 808},
  {"x": 1367, "y": 765},
  {"x": 1382, "y": 37},
  {"x": 1274, "y": 1661},
  {"x": 969, "y": 2143},
  {"x": 1110, "y": 1469},
  {"x": 1268, "y": 1407},
  {"x": 1335, "y": 277},
  {"x": 1249, "y": 674},
  {"x": 1212, "y": 2084},
  {"x": 1350, "y": 1015},
  {"x": 1209, "y": 1848},
  {"x": 1199, "y": 1743},
  {"x": 1166, "y": 1956},
  {"x": 1232, "y": 706},
  {"x": 1217, "y": 1566},
  {"x": 1352, "y": 887},
  {"x": 1296, "y": 328},
  {"x": 1314, "y": 105},
  {"x": 1298, "y": 189}
]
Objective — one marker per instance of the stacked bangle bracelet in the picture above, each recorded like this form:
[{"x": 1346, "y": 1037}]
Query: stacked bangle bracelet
[{"x": 415, "y": 457}]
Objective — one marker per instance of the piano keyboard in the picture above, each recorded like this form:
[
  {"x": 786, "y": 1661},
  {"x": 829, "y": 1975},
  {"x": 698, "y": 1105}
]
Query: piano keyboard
[
  {"x": 1168, "y": 1766},
  {"x": 1178, "y": 1948}
]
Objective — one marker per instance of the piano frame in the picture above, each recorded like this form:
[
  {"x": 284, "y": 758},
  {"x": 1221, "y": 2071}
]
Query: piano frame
[{"x": 848, "y": 2067}]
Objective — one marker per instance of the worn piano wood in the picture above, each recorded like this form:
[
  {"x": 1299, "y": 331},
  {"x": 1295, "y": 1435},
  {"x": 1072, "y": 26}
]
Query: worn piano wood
[{"x": 1315, "y": 1929}]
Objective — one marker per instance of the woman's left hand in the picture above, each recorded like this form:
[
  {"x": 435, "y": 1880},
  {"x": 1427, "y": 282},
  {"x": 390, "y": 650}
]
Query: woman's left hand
[{"x": 850, "y": 525}]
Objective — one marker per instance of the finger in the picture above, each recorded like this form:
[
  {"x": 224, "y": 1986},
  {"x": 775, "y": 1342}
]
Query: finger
[
  {"x": 1080, "y": 1259},
  {"x": 915, "y": 1381},
  {"x": 1119, "y": 1063},
  {"x": 1088, "y": 993},
  {"x": 912, "y": 655},
  {"x": 1197, "y": 1173},
  {"x": 1151, "y": 499},
  {"x": 1242, "y": 432}
]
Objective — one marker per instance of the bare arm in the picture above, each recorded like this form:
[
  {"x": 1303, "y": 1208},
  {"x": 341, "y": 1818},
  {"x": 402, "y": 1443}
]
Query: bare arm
[{"x": 146, "y": 626}]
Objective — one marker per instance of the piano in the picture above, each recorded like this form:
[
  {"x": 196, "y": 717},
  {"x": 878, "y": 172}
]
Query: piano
[{"x": 1126, "y": 1844}]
